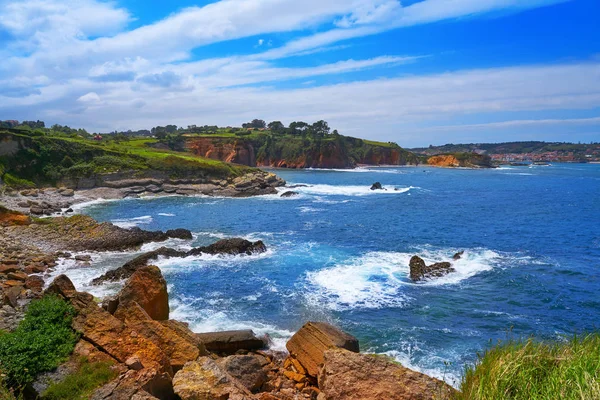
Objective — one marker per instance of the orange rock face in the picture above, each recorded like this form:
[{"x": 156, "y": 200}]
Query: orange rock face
[
  {"x": 352, "y": 376},
  {"x": 148, "y": 288},
  {"x": 10, "y": 218},
  {"x": 309, "y": 344},
  {"x": 443, "y": 161}
]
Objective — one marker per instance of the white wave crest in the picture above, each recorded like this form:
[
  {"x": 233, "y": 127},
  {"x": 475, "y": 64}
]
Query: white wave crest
[
  {"x": 376, "y": 279},
  {"x": 166, "y": 214},
  {"x": 349, "y": 190},
  {"x": 132, "y": 222}
]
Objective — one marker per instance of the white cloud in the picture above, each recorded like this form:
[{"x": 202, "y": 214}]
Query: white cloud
[{"x": 89, "y": 98}]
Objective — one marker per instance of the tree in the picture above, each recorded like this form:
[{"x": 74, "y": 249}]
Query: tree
[
  {"x": 320, "y": 128},
  {"x": 276, "y": 127},
  {"x": 256, "y": 123},
  {"x": 298, "y": 127},
  {"x": 171, "y": 128}
]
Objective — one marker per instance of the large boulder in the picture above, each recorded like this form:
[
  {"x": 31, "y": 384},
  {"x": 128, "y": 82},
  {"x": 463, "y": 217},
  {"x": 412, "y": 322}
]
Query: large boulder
[
  {"x": 352, "y": 376},
  {"x": 62, "y": 286},
  {"x": 312, "y": 340},
  {"x": 229, "y": 342},
  {"x": 420, "y": 271},
  {"x": 376, "y": 186},
  {"x": 246, "y": 369},
  {"x": 148, "y": 288},
  {"x": 205, "y": 380},
  {"x": 180, "y": 348},
  {"x": 115, "y": 338}
]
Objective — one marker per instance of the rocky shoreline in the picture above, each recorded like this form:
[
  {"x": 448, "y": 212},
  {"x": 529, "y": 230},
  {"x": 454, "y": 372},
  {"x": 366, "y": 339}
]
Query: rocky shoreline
[
  {"x": 160, "y": 358},
  {"x": 53, "y": 201}
]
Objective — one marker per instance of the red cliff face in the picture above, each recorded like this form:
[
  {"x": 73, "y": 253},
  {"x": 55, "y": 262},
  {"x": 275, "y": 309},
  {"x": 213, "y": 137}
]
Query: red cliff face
[
  {"x": 329, "y": 155},
  {"x": 237, "y": 151}
]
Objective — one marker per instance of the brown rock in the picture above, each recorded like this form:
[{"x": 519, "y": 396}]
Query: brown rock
[
  {"x": 420, "y": 271},
  {"x": 228, "y": 342},
  {"x": 17, "y": 276},
  {"x": 12, "y": 283},
  {"x": 204, "y": 380},
  {"x": 353, "y": 376},
  {"x": 246, "y": 369},
  {"x": 177, "y": 347},
  {"x": 5, "y": 269},
  {"x": 62, "y": 286},
  {"x": 115, "y": 338},
  {"x": 310, "y": 342},
  {"x": 35, "y": 283},
  {"x": 11, "y": 296},
  {"x": 148, "y": 288}
]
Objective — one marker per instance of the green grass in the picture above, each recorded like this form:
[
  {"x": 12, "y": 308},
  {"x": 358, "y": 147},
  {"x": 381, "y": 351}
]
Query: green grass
[
  {"x": 80, "y": 384},
  {"x": 41, "y": 342},
  {"x": 17, "y": 183},
  {"x": 531, "y": 370}
]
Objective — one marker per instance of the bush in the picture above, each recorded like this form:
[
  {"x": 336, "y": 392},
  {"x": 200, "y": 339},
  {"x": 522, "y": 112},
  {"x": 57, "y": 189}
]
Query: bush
[
  {"x": 533, "y": 370},
  {"x": 79, "y": 385},
  {"x": 41, "y": 342},
  {"x": 17, "y": 183}
]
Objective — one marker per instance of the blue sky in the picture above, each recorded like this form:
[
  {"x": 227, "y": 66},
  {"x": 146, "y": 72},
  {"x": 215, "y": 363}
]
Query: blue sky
[{"x": 417, "y": 72}]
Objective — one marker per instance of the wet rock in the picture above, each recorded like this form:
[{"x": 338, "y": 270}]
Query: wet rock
[
  {"x": 67, "y": 192},
  {"x": 229, "y": 342},
  {"x": 312, "y": 340},
  {"x": 17, "y": 276},
  {"x": 420, "y": 271},
  {"x": 458, "y": 255},
  {"x": 83, "y": 257},
  {"x": 226, "y": 246},
  {"x": 289, "y": 194},
  {"x": 148, "y": 288},
  {"x": 376, "y": 186},
  {"x": 179, "y": 233},
  {"x": 352, "y": 376}
]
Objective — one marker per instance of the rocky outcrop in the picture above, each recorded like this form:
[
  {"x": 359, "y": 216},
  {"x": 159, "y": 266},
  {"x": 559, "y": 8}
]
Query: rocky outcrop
[
  {"x": 148, "y": 288},
  {"x": 464, "y": 160},
  {"x": 351, "y": 376},
  {"x": 230, "y": 342},
  {"x": 376, "y": 186},
  {"x": 233, "y": 246},
  {"x": 309, "y": 344},
  {"x": 420, "y": 271},
  {"x": 289, "y": 193},
  {"x": 83, "y": 233}
]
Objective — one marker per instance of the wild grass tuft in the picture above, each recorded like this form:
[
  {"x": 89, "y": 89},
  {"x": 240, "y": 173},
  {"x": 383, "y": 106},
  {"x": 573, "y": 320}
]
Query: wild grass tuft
[
  {"x": 532, "y": 370},
  {"x": 80, "y": 384}
]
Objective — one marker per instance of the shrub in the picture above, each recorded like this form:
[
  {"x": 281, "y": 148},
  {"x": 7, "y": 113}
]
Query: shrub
[
  {"x": 80, "y": 384},
  {"x": 17, "y": 183},
  {"x": 41, "y": 342},
  {"x": 535, "y": 370}
]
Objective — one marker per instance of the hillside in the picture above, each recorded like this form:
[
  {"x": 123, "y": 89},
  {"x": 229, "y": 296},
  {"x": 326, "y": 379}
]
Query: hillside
[
  {"x": 27, "y": 160},
  {"x": 522, "y": 151},
  {"x": 269, "y": 149},
  {"x": 460, "y": 160}
]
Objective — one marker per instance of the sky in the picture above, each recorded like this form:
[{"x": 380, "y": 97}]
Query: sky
[{"x": 417, "y": 72}]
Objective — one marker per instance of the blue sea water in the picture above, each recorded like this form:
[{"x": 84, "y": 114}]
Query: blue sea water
[{"x": 339, "y": 252}]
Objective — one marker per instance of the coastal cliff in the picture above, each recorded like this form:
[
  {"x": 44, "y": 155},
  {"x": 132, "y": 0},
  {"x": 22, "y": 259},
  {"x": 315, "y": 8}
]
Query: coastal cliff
[
  {"x": 460, "y": 160},
  {"x": 298, "y": 152}
]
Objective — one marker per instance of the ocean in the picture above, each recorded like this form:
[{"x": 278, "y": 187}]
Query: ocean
[{"x": 339, "y": 252}]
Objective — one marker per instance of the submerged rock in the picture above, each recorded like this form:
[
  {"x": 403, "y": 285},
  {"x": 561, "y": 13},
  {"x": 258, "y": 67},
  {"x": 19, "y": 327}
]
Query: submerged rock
[
  {"x": 458, "y": 255},
  {"x": 312, "y": 340},
  {"x": 351, "y": 376},
  {"x": 420, "y": 271},
  {"x": 289, "y": 193}
]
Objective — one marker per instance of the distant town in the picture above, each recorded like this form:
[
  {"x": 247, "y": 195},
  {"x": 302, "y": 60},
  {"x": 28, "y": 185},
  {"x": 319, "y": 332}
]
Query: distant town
[{"x": 523, "y": 151}]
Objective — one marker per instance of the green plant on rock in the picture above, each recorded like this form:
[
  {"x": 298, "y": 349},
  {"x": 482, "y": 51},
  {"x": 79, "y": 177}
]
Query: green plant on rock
[
  {"x": 17, "y": 183},
  {"x": 80, "y": 384},
  {"x": 41, "y": 342},
  {"x": 536, "y": 370}
]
